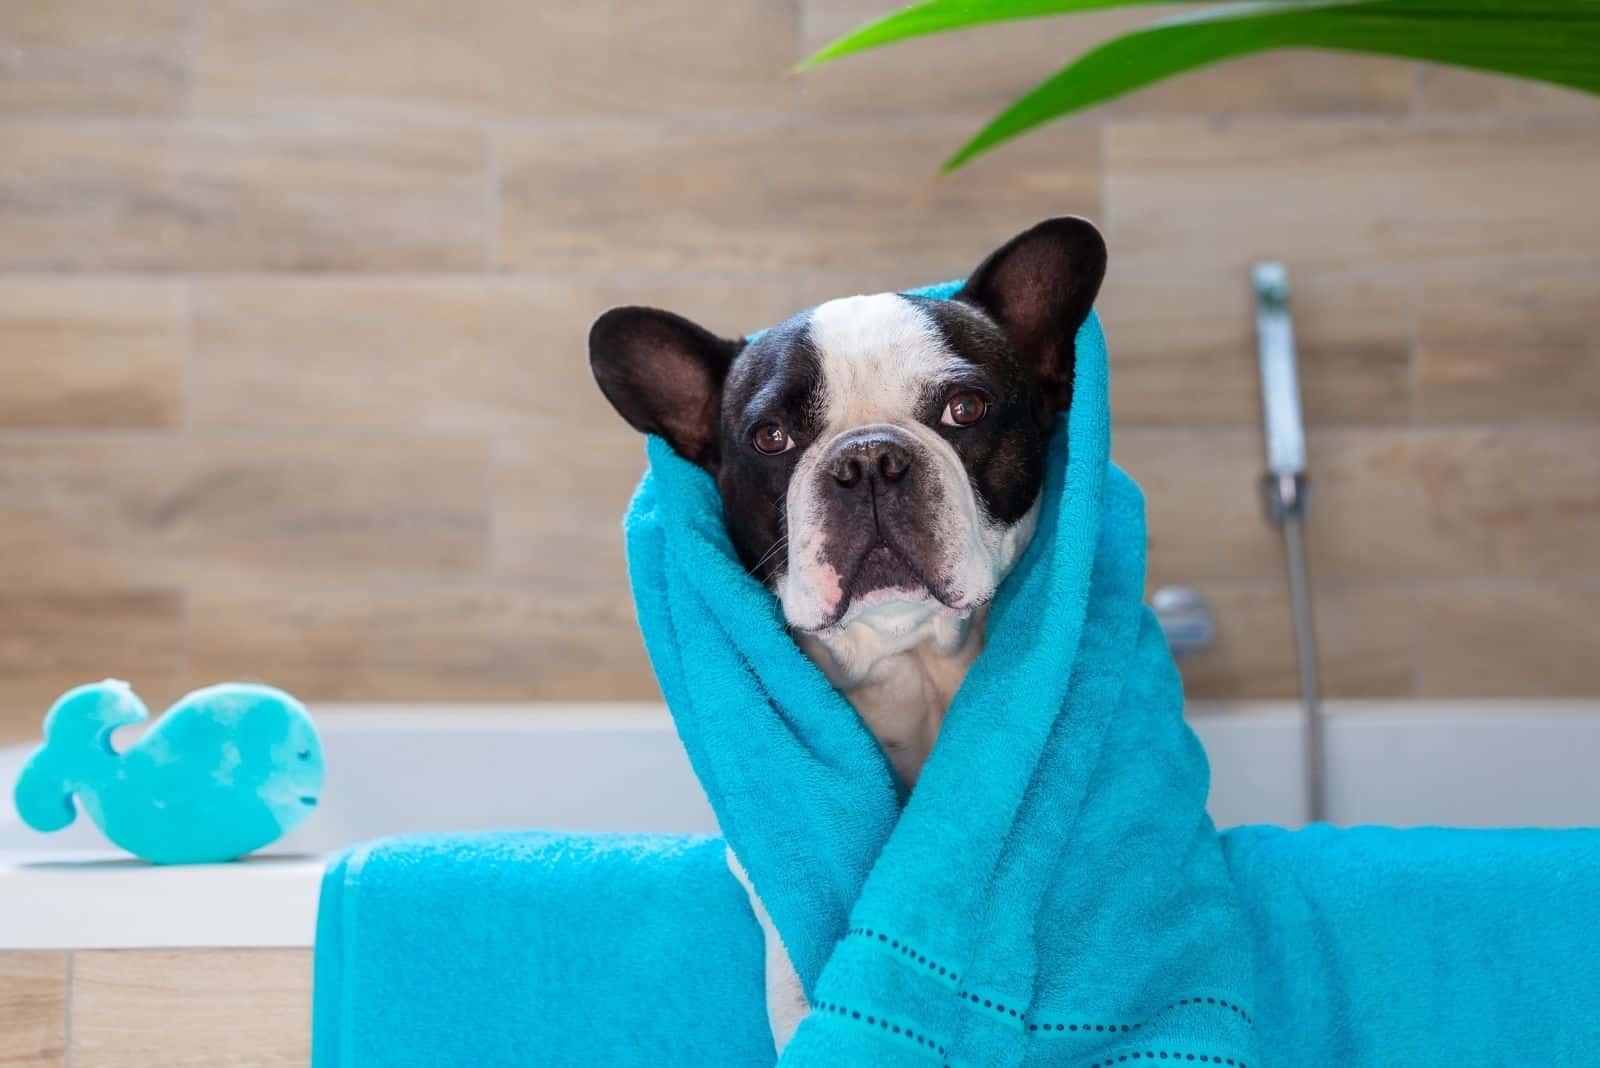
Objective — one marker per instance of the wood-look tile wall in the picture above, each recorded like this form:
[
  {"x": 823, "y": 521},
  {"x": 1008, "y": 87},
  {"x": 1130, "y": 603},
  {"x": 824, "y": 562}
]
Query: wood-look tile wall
[
  {"x": 293, "y": 298},
  {"x": 155, "y": 1008}
]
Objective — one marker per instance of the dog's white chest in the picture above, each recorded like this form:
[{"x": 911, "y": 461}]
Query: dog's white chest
[{"x": 903, "y": 693}]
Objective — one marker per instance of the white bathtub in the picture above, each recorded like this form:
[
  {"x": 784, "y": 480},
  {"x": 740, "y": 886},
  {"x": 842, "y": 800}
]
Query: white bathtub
[{"x": 596, "y": 768}]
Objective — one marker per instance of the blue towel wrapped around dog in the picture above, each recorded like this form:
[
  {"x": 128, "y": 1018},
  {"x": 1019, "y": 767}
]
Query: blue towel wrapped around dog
[{"x": 1052, "y": 892}]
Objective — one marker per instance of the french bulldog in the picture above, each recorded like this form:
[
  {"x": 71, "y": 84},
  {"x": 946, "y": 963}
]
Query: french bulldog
[{"x": 879, "y": 460}]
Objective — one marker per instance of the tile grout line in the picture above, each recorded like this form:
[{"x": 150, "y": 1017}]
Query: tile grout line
[
  {"x": 281, "y": 430},
  {"x": 1107, "y": 203},
  {"x": 493, "y": 193},
  {"x": 491, "y": 509},
  {"x": 1405, "y": 120},
  {"x": 186, "y": 301},
  {"x": 1415, "y": 628},
  {"x": 797, "y": 27},
  {"x": 191, "y": 48},
  {"x": 186, "y": 679},
  {"x": 1575, "y": 263},
  {"x": 187, "y": 433},
  {"x": 66, "y": 1023},
  {"x": 1414, "y": 351},
  {"x": 1415, "y": 121}
]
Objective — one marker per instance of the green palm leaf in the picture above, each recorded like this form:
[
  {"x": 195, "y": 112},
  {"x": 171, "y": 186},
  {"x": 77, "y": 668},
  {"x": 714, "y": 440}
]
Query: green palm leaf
[
  {"x": 1556, "y": 42},
  {"x": 939, "y": 16}
]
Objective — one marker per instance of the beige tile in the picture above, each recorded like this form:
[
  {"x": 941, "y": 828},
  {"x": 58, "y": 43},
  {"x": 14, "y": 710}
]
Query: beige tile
[
  {"x": 91, "y": 354},
  {"x": 735, "y": 197},
  {"x": 51, "y": 642},
  {"x": 1213, "y": 197},
  {"x": 240, "y": 510},
  {"x": 438, "y": 354},
  {"x": 982, "y": 71},
  {"x": 1366, "y": 639},
  {"x": 1292, "y": 82},
  {"x": 1251, "y": 655},
  {"x": 33, "y": 1009},
  {"x": 1505, "y": 341},
  {"x": 93, "y": 57},
  {"x": 1468, "y": 503},
  {"x": 1370, "y": 516},
  {"x": 496, "y": 57},
  {"x": 1202, "y": 503},
  {"x": 559, "y": 498},
  {"x": 1365, "y": 643},
  {"x": 1510, "y": 640},
  {"x": 302, "y": 195},
  {"x": 191, "y": 1008},
  {"x": 1445, "y": 90},
  {"x": 1386, "y": 505},
  {"x": 1183, "y": 347},
  {"x": 437, "y": 645}
]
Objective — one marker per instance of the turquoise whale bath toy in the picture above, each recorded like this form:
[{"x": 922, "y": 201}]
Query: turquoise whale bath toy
[{"x": 226, "y": 771}]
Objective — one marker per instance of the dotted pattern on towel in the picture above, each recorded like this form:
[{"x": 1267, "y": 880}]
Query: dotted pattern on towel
[
  {"x": 1164, "y": 1055},
  {"x": 1041, "y": 1027},
  {"x": 906, "y": 952},
  {"x": 1125, "y": 1028},
  {"x": 1169, "y": 1055},
  {"x": 989, "y": 1003},
  {"x": 878, "y": 1021}
]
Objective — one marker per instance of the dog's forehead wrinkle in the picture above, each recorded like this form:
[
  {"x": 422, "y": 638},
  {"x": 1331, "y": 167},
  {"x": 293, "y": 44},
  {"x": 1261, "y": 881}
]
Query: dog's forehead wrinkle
[
  {"x": 879, "y": 355},
  {"x": 766, "y": 393},
  {"x": 778, "y": 375}
]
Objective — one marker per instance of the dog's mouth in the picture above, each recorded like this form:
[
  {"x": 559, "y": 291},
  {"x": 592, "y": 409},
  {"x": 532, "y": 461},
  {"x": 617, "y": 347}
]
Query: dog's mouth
[
  {"x": 882, "y": 575},
  {"x": 883, "y": 567}
]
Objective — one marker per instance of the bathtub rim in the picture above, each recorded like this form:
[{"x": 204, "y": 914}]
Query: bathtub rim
[{"x": 53, "y": 899}]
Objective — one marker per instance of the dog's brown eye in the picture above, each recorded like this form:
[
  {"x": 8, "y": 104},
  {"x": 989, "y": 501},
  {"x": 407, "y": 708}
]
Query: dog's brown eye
[
  {"x": 964, "y": 409},
  {"x": 772, "y": 439}
]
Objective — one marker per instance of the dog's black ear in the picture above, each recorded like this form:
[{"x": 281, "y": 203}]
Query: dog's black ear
[
  {"x": 664, "y": 375},
  {"x": 1039, "y": 287}
]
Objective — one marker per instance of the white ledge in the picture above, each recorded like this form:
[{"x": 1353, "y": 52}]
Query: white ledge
[{"x": 106, "y": 901}]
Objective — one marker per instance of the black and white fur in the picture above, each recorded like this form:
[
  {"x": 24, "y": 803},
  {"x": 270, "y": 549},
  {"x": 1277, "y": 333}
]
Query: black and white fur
[{"x": 856, "y": 481}]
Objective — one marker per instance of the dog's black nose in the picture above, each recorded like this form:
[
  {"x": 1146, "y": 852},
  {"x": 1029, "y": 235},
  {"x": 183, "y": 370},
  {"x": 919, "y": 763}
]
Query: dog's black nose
[{"x": 869, "y": 458}]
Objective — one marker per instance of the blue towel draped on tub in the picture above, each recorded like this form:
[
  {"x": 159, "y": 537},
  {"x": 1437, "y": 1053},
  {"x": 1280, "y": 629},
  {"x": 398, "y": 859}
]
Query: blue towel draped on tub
[
  {"x": 1375, "y": 948},
  {"x": 1051, "y": 893}
]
